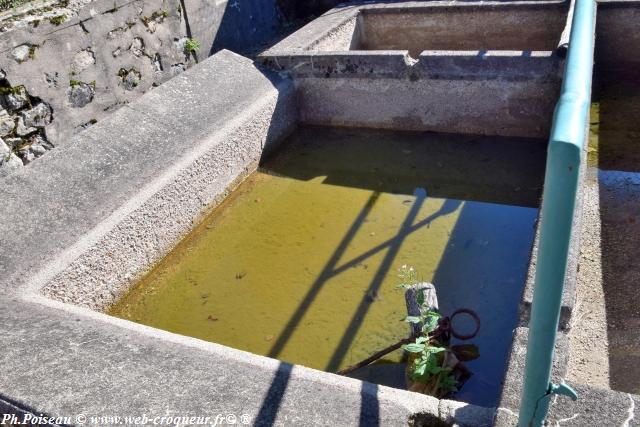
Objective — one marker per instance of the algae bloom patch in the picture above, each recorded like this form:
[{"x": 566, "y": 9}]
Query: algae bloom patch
[{"x": 299, "y": 262}]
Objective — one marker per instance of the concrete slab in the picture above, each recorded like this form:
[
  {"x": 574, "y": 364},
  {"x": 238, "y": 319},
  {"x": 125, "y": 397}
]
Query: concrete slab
[
  {"x": 595, "y": 407},
  {"x": 506, "y": 413}
]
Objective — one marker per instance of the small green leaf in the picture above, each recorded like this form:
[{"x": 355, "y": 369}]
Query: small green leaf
[
  {"x": 448, "y": 383},
  {"x": 420, "y": 296},
  {"x": 435, "y": 369},
  {"x": 413, "y": 319},
  {"x": 435, "y": 350},
  {"x": 420, "y": 370},
  {"x": 413, "y": 348},
  {"x": 421, "y": 340},
  {"x": 430, "y": 324}
]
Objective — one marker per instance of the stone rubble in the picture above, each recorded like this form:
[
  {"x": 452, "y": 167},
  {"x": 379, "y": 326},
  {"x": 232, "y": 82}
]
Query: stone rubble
[{"x": 23, "y": 119}]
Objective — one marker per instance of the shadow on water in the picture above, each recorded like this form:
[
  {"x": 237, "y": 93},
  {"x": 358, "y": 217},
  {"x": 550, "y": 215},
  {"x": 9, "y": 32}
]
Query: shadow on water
[
  {"x": 326, "y": 274},
  {"x": 332, "y": 269},
  {"x": 615, "y": 141},
  {"x": 374, "y": 286},
  {"x": 493, "y": 169},
  {"x": 470, "y": 275},
  {"x": 484, "y": 269}
]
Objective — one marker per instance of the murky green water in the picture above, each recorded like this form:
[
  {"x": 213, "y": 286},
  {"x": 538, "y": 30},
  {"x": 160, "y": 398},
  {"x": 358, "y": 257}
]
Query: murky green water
[
  {"x": 300, "y": 262},
  {"x": 615, "y": 137},
  {"x": 615, "y": 128}
]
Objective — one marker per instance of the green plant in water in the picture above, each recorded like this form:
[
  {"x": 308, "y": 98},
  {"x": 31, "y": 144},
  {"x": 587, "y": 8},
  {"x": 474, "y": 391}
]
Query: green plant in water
[
  {"x": 432, "y": 362},
  {"x": 192, "y": 45}
]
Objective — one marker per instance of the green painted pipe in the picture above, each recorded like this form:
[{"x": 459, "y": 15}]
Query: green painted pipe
[{"x": 566, "y": 144}]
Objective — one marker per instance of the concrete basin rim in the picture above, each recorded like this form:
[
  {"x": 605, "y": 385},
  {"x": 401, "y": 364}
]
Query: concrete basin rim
[{"x": 410, "y": 400}]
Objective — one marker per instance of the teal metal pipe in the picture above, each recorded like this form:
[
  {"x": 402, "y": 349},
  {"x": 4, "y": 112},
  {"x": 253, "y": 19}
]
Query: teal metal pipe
[{"x": 566, "y": 145}]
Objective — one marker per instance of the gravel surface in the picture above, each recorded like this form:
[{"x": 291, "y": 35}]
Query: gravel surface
[{"x": 588, "y": 354}]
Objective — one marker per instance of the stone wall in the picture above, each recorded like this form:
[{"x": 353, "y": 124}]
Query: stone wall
[
  {"x": 63, "y": 75},
  {"x": 64, "y": 66}
]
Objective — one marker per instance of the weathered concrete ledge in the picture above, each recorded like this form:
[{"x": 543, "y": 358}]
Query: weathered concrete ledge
[
  {"x": 146, "y": 173},
  {"x": 506, "y": 414},
  {"x": 594, "y": 407},
  {"x": 431, "y": 64}
]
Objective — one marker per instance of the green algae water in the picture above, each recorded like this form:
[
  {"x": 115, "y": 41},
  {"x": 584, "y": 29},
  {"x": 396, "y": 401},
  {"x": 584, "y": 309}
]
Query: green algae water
[
  {"x": 300, "y": 261},
  {"x": 615, "y": 128}
]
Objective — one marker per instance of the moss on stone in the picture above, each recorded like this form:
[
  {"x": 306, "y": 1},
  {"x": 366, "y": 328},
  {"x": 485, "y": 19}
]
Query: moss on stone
[
  {"x": 32, "y": 51},
  {"x": 11, "y": 90},
  {"x": 57, "y": 20}
]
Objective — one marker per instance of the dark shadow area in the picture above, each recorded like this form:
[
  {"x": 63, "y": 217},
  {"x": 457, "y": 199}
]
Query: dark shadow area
[
  {"x": 425, "y": 419},
  {"x": 271, "y": 404},
  {"x": 369, "y": 405},
  {"x": 294, "y": 10},
  {"x": 242, "y": 26},
  {"x": 245, "y": 25},
  {"x": 615, "y": 141},
  {"x": 484, "y": 269},
  {"x": 616, "y": 117},
  {"x": 492, "y": 169}
]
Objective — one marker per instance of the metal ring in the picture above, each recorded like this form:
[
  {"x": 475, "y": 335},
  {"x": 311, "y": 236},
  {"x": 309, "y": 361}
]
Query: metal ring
[{"x": 473, "y": 315}]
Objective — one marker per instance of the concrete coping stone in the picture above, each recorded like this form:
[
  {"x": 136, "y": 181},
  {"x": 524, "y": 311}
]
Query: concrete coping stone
[{"x": 487, "y": 65}]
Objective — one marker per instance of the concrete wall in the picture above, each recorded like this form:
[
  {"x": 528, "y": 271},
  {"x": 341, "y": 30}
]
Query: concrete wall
[
  {"x": 493, "y": 27},
  {"x": 486, "y": 107},
  {"x": 618, "y": 34},
  {"x": 489, "y": 92},
  {"x": 87, "y": 66},
  {"x": 238, "y": 25},
  {"x": 225, "y": 125}
]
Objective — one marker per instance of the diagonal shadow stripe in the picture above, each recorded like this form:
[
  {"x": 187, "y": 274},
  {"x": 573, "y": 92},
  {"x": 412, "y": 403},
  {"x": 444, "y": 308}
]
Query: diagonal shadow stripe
[
  {"x": 325, "y": 275},
  {"x": 363, "y": 307}
]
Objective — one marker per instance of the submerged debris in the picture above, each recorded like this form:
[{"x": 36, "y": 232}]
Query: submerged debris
[{"x": 435, "y": 367}]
